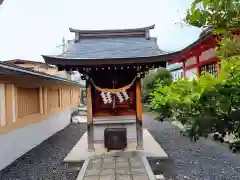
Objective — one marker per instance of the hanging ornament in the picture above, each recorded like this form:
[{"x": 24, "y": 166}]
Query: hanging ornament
[
  {"x": 120, "y": 97},
  {"x": 109, "y": 97},
  {"x": 125, "y": 95},
  {"x": 104, "y": 98}
]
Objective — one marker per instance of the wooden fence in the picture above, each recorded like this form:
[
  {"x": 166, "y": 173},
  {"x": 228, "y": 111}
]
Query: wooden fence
[{"x": 20, "y": 106}]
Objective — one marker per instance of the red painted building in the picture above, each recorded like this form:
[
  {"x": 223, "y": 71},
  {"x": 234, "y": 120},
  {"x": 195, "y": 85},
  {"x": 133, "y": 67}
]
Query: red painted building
[{"x": 199, "y": 57}]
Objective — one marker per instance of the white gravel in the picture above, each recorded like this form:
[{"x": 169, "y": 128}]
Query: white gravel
[
  {"x": 203, "y": 160},
  {"x": 45, "y": 162}
]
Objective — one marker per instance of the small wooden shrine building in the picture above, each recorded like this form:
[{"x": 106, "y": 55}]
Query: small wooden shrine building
[{"x": 112, "y": 63}]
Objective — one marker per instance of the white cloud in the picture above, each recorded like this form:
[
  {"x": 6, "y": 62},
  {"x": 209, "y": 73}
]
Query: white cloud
[{"x": 29, "y": 28}]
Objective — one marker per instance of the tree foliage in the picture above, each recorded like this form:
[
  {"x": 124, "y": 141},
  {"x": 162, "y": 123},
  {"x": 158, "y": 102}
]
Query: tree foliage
[
  {"x": 217, "y": 13},
  {"x": 224, "y": 18},
  {"x": 205, "y": 105},
  {"x": 148, "y": 84},
  {"x": 208, "y": 104}
]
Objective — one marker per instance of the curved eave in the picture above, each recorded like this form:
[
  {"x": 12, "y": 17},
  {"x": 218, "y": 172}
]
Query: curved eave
[
  {"x": 62, "y": 61},
  {"x": 194, "y": 44},
  {"x": 197, "y": 42},
  {"x": 111, "y": 30}
]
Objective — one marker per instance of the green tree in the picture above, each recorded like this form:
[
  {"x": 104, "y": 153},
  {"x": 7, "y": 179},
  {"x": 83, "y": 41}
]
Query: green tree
[
  {"x": 224, "y": 18},
  {"x": 205, "y": 105},
  {"x": 148, "y": 83},
  {"x": 208, "y": 104},
  {"x": 217, "y": 13}
]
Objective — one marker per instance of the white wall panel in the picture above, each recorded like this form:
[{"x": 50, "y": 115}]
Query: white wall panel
[{"x": 191, "y": 73}]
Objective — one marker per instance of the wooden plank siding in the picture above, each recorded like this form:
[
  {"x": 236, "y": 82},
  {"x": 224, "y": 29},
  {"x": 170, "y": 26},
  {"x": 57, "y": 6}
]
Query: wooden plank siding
[
  {"x": 53, "y": 99},
  {"x": 25, "y": 105},
  {"x": 28, "y": 101}
]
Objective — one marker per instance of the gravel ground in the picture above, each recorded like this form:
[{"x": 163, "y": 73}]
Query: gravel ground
[
  {"x": 45, "y": 162},
  {"x": 203, "y": 160}
]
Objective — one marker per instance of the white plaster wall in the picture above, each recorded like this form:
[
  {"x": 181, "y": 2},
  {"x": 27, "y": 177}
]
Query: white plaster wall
[
  {"x": 191, "y": 73},
  {"x": 208, "y": 54},
  {"x": 190, "y": 61},
  {"x": 16, "y": 143}
]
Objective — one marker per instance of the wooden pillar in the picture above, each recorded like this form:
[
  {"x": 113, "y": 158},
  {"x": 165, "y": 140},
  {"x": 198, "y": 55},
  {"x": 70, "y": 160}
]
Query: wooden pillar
[
  {"x": 61, "y": 97},
  {"x": 198, "y": 66},
  {"x": 139, "y": 114},
  {"x": 41, "y": 100},
  {"x": 80, "y": 96},
  {"x": 14, "y": 103},
  {"x": 2, "y": 105},
  {"x": 10, "y": 103},
  {"x": 184, "y": 71},
  {"x": 45, "y": 100},
  {"x": 89, "y": 116},
  {"x": 218, "y": 67}
]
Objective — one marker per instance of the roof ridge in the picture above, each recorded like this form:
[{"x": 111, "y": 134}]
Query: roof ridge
[{"x": 146, "y": 28}]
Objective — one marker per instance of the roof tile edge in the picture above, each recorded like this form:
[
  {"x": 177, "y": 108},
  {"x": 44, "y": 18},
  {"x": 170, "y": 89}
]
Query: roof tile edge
[{"x": 147, "y": 28}]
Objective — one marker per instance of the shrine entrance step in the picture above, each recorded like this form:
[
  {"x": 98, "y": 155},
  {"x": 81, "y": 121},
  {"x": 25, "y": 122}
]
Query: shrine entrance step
[{"x": 118, "y": 166}]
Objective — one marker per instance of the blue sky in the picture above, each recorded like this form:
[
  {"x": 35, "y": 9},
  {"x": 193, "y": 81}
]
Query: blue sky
[{"x": 29, "y": 28}]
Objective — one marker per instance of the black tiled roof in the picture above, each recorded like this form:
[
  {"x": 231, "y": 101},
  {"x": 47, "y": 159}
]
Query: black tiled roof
[{"x": 117, "y": 47}]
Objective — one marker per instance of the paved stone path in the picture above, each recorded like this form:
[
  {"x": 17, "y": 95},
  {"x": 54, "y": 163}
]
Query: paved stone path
[{"x": 116, "y": 168}]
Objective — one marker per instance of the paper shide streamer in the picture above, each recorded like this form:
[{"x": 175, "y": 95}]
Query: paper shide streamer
[{"x": 107, "y": 97}]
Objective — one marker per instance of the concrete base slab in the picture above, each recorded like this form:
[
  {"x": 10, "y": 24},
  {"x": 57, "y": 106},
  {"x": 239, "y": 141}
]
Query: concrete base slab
[{"x": 80, "y": 150}]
